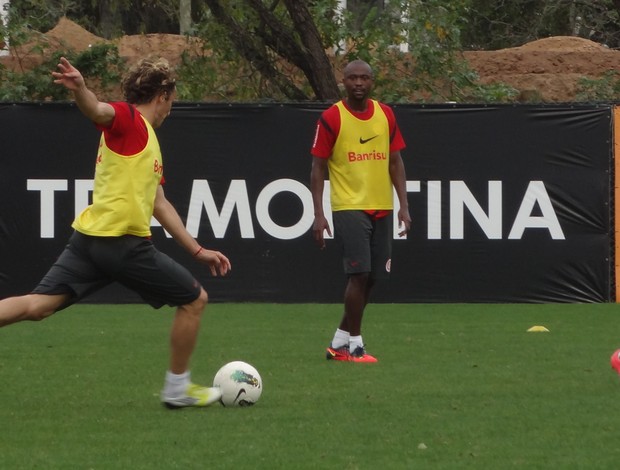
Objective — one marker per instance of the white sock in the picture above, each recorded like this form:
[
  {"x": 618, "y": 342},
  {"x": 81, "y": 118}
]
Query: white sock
[
  {"x": 354, "y": 342},
  {"x": 341, "y": 338},
  {"x": 176, "y": 384}
]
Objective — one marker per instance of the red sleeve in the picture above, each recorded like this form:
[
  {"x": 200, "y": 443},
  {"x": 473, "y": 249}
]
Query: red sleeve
[
  {"x": 396, "y": 139},
  {"x": 128, "y": 134},
  {"x": 327, "y": 129}
]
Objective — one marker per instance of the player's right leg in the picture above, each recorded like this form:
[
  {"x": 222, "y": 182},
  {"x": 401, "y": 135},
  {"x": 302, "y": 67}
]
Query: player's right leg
[
  {"x": 184, "y": 332},
  {"x": 31, "y": 307}
]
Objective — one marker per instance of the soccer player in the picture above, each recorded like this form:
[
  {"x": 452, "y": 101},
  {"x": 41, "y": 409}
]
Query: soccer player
[
  {"x": 111, "y": 241},
  {"x": 358, "y": 143}
]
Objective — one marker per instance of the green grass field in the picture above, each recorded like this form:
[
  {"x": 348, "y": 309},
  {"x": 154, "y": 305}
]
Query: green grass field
[{"x": 457, "y": 386}]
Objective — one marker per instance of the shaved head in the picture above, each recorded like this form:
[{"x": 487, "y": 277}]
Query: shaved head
[{"x": 357, "y": 67}]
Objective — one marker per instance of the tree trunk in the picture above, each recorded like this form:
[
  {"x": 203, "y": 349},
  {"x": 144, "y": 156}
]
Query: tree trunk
[
  {"x": 254, "y": 51},
  {"x": 185, "y": 16},
  {"x": 309, "y": 55},
  {"x": 110, "y": 18},
  {"x": 4, "y": 41},
  {"x": 318, "y": 68}
]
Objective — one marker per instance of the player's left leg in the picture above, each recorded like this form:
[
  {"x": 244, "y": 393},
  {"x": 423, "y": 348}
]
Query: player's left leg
[{"x": 31, "y": 307}]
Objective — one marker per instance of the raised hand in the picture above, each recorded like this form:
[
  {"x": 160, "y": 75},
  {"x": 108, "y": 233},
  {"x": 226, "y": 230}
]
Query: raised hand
[{"x": 68, "y": 75}]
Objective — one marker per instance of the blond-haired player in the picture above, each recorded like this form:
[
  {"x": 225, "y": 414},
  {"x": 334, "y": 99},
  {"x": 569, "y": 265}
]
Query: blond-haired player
[{"x": 111, "y": 239}]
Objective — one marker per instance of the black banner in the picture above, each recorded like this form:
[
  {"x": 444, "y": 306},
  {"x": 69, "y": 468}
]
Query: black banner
[{"x": 509, "y": 203}]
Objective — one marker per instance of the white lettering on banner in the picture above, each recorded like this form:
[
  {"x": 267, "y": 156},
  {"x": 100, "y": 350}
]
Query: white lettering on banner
[
  {"x": 237, "y": 196},
  {"x": 536, "y": 194},
  {"x": 461, "y": 198},
  {"x": 264, "y": 218},
  {"x": 433, "y": 207},
  {"x": 47, "y": 189}
]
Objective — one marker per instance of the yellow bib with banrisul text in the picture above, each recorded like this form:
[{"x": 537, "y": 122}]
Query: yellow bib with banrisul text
[{"x": 359, "y": 165}]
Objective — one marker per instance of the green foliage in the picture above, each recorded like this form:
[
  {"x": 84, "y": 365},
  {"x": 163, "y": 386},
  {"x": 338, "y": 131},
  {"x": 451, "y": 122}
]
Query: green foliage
[
  {"x": 106, "y": 18},
  {"x": 32, "y": 85},
  {"x": 605, "y": 88},
  {"x": 497, "y": 92},
  {"x": 100, "y": 63},
  {"x": 433, "y": 69},
  {"x": 37, "y": 15},
  {"x": 200, "y": 78},
  {"x": 218, "y": 72}
]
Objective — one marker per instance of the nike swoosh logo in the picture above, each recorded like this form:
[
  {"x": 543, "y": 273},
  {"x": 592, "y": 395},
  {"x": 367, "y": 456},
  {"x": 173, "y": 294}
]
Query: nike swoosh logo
[
  {"x": 239, "y": 395},
  {"x": 363, "y": 141}
]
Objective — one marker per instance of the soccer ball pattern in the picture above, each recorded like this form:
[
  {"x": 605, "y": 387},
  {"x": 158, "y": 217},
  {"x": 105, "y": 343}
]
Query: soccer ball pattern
[{"x": 240, "y": 383}]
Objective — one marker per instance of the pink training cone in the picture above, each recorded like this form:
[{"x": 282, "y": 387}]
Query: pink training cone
[{"x": 615, "y": 360}]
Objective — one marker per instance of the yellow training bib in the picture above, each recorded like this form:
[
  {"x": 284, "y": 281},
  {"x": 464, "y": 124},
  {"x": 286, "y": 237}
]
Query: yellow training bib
[
  {"x": 359, "y": 165},
  {"x": 124, "y": 191}
]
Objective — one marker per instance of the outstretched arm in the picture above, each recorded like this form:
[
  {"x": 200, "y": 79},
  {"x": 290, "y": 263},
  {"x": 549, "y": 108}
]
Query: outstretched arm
[
  {"x": 169, "y": 218},
  {"x": 99, "y": 112}
]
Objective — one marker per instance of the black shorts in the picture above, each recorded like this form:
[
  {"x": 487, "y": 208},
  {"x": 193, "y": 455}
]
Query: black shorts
[
  {"x": 366, "y": 242},
  {"x": 89, "y": 263}
]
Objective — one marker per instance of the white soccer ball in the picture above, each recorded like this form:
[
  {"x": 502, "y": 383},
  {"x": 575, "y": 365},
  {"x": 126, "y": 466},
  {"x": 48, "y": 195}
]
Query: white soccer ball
[{"x": 240, "y": 383}]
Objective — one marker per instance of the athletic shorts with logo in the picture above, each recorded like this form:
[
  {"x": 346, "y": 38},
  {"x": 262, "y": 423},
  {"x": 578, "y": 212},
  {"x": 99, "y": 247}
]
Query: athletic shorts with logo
[
  {"x": 366, "y": 242},
  {"x": 88, "y": 264}
]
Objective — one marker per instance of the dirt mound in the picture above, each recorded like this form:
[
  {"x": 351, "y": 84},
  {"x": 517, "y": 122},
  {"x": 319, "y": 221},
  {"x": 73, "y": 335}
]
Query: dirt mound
[
  {"x": 561, "y": 44},
  {"x": 549, "y": 69},
  {"x": 544, "y": 70},
  {"x": 71, "y": 35}
]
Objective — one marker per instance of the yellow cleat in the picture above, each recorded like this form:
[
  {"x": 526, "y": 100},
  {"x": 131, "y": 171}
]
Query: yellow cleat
[{"x": 195, "y": 395}]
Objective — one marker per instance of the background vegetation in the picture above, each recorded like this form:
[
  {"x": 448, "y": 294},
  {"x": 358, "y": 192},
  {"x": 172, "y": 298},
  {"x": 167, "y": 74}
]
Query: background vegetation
[{"x": 285, "y": 50}]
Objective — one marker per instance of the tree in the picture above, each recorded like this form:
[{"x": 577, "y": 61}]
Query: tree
[
  {"x": 264, "y": 34},
  {"x": 497, "y": 24},
  {"x": 272, "y": 35}
]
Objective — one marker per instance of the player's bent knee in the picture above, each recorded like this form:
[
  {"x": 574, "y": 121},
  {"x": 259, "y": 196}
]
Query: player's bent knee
[
  {"x": 198, "y": 305},
  {"x": 203, "y": 298}
]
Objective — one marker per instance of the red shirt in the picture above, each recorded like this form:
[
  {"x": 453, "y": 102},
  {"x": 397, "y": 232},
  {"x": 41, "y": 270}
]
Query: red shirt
[
  {"x": 127, "y": 135},
  {"x": 328, "y": 127}
]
